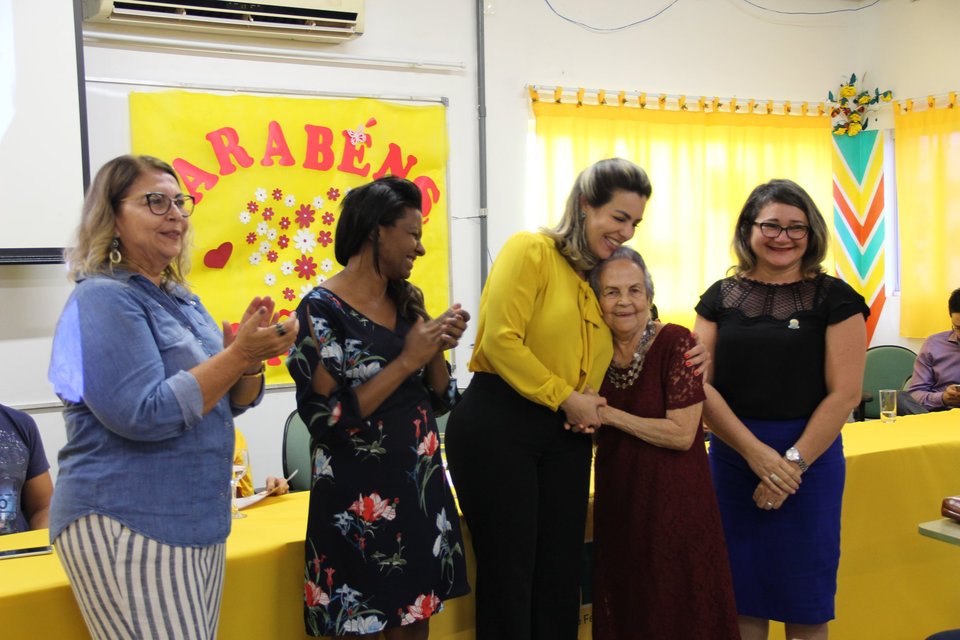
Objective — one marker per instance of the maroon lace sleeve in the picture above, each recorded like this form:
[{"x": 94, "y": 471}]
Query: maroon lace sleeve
[{"x": 683, "y": 387}]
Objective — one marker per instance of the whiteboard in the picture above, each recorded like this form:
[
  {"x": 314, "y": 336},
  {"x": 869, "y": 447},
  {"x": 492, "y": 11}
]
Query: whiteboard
[{"x": 42, "y": 161}]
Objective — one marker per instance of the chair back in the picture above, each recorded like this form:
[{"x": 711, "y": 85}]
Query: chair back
[
  {"x": 296, "y": 453},
  {"x": 887, "y": 367},
  {"x": 442, "y": 423}
]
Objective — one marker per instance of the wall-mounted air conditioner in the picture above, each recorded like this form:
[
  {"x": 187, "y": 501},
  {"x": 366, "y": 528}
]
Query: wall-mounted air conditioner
[{"x": 314, "y": 20}]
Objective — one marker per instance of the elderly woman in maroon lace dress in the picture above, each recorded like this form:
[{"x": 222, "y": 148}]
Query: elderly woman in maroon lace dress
[{"x": 660, "y": 566}]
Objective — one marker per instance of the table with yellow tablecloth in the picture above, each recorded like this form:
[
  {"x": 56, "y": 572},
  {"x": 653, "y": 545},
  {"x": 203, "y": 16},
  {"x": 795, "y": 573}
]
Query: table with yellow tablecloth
[
  {"x": 263, "y": 584},
  {"x": 893, "y": 584}
]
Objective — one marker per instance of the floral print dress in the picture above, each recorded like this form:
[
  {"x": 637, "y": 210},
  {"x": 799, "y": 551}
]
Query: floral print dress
[{"x": 383, "y": 545}]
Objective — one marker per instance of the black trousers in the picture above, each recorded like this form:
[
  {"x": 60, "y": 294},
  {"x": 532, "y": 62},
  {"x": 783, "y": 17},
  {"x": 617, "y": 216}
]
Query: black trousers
[{"x": 523, "y": 485}]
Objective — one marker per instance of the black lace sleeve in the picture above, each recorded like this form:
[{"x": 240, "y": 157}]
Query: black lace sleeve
[
  {"x": 709, "y": 305},
  {"x": 842, "y": 301}
]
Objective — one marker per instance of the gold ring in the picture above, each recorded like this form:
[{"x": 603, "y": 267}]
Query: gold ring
[
  {"x": 769, "y": 504},
  {"x": 774, "y": 477}
]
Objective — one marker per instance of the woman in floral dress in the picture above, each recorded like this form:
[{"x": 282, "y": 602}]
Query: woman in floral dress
[{"x": 383, "y": 547}]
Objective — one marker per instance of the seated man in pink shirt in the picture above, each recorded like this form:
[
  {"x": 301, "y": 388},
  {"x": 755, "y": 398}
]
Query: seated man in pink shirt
[{"x": 935, "y": 385}]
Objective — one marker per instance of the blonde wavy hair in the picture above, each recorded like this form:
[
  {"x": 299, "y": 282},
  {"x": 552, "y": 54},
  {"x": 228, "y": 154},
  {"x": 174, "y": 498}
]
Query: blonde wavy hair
[
  {"x": 90, "y": 255},
  {"x": 596, "y": 185}
]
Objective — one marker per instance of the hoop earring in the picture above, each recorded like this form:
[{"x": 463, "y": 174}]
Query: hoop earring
[{"x": 114, "y": 254}]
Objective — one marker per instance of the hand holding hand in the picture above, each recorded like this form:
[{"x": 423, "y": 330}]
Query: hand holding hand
[
  {"x": 583, "y": 411},
  {"x": 775, "y": 472},
  {"x": 766, "y": 499}
]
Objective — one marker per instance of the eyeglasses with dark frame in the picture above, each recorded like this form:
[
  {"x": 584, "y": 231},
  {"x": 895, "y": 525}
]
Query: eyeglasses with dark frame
[
  {"x": 160, "y": 203},
  {"x": 773, "y": 230}
]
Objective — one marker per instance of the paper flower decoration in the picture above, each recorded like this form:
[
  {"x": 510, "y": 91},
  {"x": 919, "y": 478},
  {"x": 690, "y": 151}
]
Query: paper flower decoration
[{"x": 851, "y": 105}]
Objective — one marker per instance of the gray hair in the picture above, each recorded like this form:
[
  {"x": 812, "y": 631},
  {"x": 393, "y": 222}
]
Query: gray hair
[{"x": 623, "y": 253}]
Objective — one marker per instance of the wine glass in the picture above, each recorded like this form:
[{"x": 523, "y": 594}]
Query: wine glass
[{"x": 239, "y": 468}]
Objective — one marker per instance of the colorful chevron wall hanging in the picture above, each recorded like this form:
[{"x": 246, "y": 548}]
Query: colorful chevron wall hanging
[{"x": 858, "y": 217}]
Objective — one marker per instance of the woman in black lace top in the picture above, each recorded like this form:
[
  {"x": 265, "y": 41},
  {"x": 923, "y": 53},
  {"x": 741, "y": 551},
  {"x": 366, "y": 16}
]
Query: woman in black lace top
[{"x": 788, "y": 345}]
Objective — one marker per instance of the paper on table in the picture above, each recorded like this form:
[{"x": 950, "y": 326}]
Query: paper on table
[{"x": 246, "y": 501}]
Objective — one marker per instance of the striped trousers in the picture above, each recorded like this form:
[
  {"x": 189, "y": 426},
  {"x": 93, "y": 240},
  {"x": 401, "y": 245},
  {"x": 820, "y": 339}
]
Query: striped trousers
[{"x": 129, "y": 586}]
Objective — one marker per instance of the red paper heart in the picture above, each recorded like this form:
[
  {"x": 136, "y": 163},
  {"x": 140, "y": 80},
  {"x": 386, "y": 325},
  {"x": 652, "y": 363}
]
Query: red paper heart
[
  {"x": 274, "y": 362},
  {"x": 218, "y": 258}
]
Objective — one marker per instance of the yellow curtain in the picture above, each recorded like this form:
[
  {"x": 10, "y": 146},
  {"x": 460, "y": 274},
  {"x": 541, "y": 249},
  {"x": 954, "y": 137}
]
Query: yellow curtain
[
  {"x": 928, "y": 204},
  {"x": 702, "y": 166}
]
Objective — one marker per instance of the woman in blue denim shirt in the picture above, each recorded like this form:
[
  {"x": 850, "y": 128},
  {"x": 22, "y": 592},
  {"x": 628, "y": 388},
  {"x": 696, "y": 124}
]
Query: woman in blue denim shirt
[{"x": 150, "y": 386}]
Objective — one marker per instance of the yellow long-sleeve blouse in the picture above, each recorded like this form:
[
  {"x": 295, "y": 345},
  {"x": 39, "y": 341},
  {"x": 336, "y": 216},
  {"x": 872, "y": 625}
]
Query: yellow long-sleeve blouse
[
  {"x": 245, "y": 484},
  {"x": 540, "y": 326}
]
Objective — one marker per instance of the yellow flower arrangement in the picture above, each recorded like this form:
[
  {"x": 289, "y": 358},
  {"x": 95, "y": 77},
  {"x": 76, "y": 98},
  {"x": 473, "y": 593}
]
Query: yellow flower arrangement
[{"x": 851, "y": 105}]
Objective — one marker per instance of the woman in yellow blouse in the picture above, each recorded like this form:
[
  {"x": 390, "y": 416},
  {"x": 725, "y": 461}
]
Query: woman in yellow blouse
[
  {"x": 521, "y": 477},
  {"x": 277, "y": 486}
]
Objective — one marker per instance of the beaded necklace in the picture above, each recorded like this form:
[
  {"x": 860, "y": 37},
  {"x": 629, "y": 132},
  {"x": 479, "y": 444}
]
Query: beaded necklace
[{"x": 621, "y": 378}]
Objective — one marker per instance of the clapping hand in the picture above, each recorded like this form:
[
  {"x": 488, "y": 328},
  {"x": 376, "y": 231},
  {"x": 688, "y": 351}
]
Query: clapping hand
[
  {"x": 453, "y": 322},
  {"x": 260, "y": 334},
  {"x": 428, "y": 338},
  {"x": 422, "y": 342}
]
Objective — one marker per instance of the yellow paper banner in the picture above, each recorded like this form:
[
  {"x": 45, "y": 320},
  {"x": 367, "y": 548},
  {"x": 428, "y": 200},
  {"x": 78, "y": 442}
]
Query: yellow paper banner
[{"x": 268, "y": 174}]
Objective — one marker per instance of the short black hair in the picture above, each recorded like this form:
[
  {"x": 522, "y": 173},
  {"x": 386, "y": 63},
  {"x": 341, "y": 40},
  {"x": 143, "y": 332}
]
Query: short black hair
[{"x": 954, "y": 303}]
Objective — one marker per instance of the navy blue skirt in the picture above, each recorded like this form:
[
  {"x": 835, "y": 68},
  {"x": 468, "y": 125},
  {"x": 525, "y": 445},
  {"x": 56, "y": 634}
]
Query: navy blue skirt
[{"x": 784, "y": 561}]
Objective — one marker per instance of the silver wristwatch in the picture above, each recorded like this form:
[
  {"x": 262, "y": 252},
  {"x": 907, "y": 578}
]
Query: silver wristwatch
[{"x": 793, "y": 455}]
